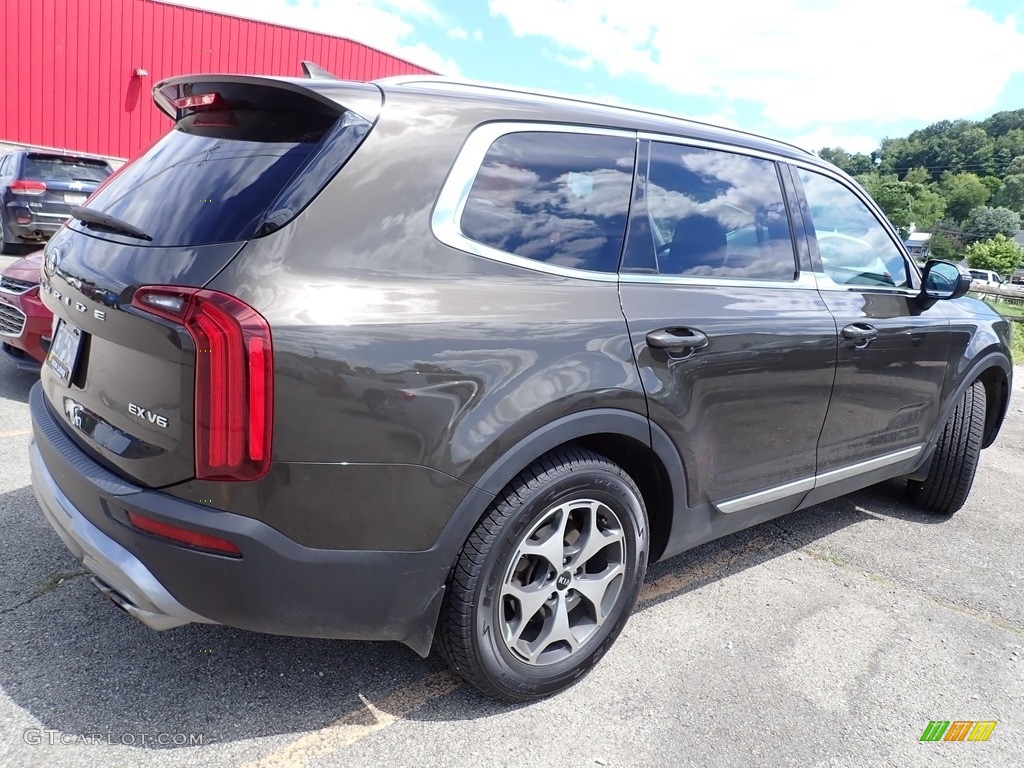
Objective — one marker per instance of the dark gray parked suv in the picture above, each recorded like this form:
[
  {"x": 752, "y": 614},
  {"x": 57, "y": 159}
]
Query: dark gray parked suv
[
  {"x": 450, "y": 364},
  {"x": 37, "y": 191}
]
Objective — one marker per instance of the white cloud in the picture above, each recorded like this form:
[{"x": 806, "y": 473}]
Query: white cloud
[
  {"x": 805, "y": 63},
  {"x": 383, "y": 24},
  {"x": 825, "y": 136},
  {"x": 458, "y": 33},
  {"x": 576, "y": 62},
  {"x": 478, "y": 35}
]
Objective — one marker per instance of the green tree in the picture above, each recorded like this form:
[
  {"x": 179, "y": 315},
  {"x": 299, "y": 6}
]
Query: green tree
[
  {"x": 854, "y": 163},
  {"x": 984, "y": 222},
  {"x": 926, "y": 207},
  {"x": 1011, "y": 194},
  {"x": 918, "y": 175},
  {"x": 999, "y": 254},
  {"x": 943, "y": 246},
  {"x": 963, "y": 191},
  {"x": 893, "y": 197}
]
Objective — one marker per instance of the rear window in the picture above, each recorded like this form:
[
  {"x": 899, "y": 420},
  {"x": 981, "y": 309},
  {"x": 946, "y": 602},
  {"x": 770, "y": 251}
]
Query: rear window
[
  {"x": 53, "y": 168},
  {"x": 231, "y": 172}
]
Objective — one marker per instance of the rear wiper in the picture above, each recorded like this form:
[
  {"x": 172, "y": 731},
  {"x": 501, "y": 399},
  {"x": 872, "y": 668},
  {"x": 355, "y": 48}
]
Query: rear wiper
[{"x": 106, "y": 221}]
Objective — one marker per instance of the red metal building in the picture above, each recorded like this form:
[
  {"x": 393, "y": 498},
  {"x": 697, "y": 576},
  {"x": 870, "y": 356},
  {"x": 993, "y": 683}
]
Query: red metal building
[{"x": 77, "y": 74}]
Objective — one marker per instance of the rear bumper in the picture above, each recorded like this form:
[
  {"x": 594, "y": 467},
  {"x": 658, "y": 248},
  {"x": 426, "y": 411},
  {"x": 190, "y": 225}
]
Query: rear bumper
[
  {"x": 277, "y": 586},
  {"x": 119, "y": 570},
  {"x": 39, "y": 227}
]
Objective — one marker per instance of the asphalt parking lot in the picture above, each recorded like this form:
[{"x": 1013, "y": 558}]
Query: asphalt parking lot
[{"x": 828, "y": 638}]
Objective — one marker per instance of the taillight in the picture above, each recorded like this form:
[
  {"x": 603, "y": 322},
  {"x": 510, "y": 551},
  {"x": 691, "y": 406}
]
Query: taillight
[
  {"x": 234, "y": 390},
  {"x": 27, "y": 187},
  {"x": 184, "y": 536}
]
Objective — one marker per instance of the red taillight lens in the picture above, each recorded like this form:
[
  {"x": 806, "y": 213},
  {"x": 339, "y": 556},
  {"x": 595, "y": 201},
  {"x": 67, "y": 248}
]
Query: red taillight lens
[
  {"x": 184, "y": 536},
  {"x": 234, "y": 394},
  {"x": 27, "y": 187}
]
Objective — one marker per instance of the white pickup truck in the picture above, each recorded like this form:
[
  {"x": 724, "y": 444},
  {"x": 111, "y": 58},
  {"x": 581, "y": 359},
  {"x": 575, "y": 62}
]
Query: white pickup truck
[{"x": 987, "y": 281}]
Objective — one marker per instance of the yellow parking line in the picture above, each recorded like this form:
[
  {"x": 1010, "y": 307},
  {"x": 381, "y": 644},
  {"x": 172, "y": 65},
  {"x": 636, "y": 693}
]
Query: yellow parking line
[
  {"x": 370, "y": 718},
  {"x": 16, "y": 433},
  {"x": 359, "y": 723},
  {"x": 698, "y": 573}
]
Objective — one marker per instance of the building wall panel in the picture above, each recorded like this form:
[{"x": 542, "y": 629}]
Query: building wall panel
[{"x": 69, "y": 81}]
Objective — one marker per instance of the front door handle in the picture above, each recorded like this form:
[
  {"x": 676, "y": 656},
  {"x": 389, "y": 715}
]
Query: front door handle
[
  {"x": 862, "y": 333},
  {"x": 677, "y": 340}
]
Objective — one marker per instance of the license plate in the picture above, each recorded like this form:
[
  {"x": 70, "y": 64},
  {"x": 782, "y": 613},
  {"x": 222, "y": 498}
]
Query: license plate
[
  {"x": 64, "y": 350},
  {"x": 73, "y": 199}
]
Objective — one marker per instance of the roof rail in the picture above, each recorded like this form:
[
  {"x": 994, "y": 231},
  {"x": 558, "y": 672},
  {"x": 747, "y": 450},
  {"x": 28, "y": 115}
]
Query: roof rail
[{"x": 480, "y": 85}]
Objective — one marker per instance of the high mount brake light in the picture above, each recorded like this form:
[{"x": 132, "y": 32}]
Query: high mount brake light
[
  {"x": 234, "y": 386},
  {"x": 199, "y": 101}
]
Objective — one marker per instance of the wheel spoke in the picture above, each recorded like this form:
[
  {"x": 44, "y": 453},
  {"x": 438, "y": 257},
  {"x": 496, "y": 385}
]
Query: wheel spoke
[
  {"x": 594, "y": 539},
  {"x": 556, "y": 629},
  {"x": 530, "y": 598},
  {"x": 551, "y": 547},
  {"x": 594, "y": 587}
]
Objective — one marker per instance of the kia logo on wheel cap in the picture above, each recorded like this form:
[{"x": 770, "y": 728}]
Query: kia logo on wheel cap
[{"x": 563, "y": 580}]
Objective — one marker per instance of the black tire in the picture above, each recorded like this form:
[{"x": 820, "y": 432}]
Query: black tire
[
  {"x": 955, "y": 460},
  {"x": 7, "y": 248},
  {"x": 486, "y": 633}
]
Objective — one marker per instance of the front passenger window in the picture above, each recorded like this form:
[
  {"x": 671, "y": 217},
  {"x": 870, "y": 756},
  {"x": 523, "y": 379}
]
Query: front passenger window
[{"x": 855, "y": 248}]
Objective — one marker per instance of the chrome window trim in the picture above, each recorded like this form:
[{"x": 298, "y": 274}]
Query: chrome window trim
[
  {"x": 451, "y": 201},
  {"x": 826, "y": 283},
  {"x": 805, "y": 281},
  {"x": 806, "y": 484},
  {"x": 736, "y": 149}
]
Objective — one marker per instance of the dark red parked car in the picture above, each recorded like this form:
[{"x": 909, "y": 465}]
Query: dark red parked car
[{"x": 24, "y": 321}]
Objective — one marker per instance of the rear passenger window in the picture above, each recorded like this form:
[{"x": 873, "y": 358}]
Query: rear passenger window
[
  {"x": 712, "y": 214},
  {"x": 855, "y": 248},
  {"x": 556, "y": 198}
]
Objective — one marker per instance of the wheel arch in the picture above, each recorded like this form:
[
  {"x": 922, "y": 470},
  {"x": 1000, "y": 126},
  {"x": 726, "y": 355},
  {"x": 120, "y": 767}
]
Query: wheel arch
[
  {"x": 626, "y": 438},
  {"x": 995, "y": 372}
]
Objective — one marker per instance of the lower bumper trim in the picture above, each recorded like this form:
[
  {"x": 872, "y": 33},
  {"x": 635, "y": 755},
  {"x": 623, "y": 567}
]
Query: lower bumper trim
[{"x": 119, "y": 574}]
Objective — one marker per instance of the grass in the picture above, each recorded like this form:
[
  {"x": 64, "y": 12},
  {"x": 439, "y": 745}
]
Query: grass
[
  {"x": 1007, "y": 309},
  {"x": 1017, "y": 342}
]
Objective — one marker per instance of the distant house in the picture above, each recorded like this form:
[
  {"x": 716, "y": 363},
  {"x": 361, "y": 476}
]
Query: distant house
[{"x": 917, "y": 245}]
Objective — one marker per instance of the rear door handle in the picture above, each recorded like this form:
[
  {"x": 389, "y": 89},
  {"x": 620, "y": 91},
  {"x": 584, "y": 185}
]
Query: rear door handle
[
  {"x": 677, "y": 340},
  {"x": 862, "y": 333}
]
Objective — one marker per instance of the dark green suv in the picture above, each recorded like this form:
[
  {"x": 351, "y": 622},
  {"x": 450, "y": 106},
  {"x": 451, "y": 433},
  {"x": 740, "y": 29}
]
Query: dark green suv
[{"x": 449, "y": 364}]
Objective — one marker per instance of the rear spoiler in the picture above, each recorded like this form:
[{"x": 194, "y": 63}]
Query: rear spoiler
[{"x": 320, "y": 91}]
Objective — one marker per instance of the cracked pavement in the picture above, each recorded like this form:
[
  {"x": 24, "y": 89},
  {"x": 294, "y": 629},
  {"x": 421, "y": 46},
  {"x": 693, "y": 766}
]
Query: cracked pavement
[{"x": 830, "y": 637}]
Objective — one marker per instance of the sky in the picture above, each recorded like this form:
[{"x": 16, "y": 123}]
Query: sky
[{"x": 817, "y": 73}]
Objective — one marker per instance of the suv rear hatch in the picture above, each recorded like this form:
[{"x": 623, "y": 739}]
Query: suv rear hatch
[
  {"x": 49, "y": 184},
  {"x": 155, "y": 377}
]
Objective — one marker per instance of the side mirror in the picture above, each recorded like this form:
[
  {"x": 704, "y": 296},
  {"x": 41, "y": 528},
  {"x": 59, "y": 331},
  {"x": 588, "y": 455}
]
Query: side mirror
[{"x": 944, "y": 280}]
